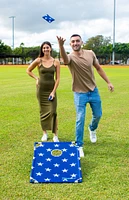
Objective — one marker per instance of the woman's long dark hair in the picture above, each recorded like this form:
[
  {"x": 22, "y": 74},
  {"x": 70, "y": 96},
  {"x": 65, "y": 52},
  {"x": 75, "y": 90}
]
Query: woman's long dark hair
[{"x": 41, "y": 54}]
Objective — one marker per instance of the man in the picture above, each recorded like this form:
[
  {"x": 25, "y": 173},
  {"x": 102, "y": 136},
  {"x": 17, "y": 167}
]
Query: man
[{"x": 80, "y": 63}]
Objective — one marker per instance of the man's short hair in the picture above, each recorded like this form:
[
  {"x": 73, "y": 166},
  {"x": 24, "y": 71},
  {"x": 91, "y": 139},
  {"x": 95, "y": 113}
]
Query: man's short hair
[{"x": 75, "y": 35}]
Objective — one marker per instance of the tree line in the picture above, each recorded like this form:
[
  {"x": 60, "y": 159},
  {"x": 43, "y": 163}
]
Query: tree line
[
  {"x": 22, "y": 54},
  {"x": 102, "y": 46}
]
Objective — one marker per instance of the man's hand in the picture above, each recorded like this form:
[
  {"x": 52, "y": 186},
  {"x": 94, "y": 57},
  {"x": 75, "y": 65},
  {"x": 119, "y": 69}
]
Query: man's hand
[
  {"x": 61, "y": 40},
  {"x": 62, "y": 50},
  {"x": 110, "y": 87}
]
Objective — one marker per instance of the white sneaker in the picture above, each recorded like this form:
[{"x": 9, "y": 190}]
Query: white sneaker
[
  {"x": 44, "y": 137},
  {"x": 81, "y": 153},
  {"x": 93, "y": 137},
  {"x": 55, "y": 138}
]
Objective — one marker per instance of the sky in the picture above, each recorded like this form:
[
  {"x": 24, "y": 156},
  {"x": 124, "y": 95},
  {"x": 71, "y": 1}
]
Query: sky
[{"x": 88, "y": 18}]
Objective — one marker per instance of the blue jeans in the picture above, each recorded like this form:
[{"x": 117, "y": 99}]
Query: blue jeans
[{"x": 81, "y": 100}]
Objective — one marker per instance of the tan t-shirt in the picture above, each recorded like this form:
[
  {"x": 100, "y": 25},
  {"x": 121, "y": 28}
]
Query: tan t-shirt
[{"x": 82, "y": 71}]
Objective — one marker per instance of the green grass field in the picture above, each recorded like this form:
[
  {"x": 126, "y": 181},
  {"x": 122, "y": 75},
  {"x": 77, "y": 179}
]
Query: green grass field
[{"x": 105, "y": 167}]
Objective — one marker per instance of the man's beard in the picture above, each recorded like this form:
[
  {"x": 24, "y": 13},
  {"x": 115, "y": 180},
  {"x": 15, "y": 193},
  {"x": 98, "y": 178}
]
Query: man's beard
[{"x": 77, "y": 48}]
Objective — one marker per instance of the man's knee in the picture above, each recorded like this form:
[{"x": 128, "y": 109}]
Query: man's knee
[{"x": 98, "y": 117}]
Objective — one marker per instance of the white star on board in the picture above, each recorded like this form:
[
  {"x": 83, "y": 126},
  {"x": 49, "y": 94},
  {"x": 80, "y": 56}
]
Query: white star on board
[
  {"x": 64, "y": 170},
  {"x": 48, "y": 149},
  {"x": 64, "y": 150},
  {"x": 56, "y": 175},
  {"x": 73, "y": 164},
  {"x": 56, "y": 165},
  {"x": 65, "y": 179},
  {"x": 47, "y": 169},
  {"x": 56, "y": 145},
  {"x": 72, "y": 154},
  {"x": 40, "y": 164},
  {"x": 47, "y": 179},
  {"x": 48, "y": 159},
  {"x": 64, "y": 160},
  {"x": 38, "y": 174},
  {"x": 41, "y": 154},
  {"x": 73, "y": 175}
]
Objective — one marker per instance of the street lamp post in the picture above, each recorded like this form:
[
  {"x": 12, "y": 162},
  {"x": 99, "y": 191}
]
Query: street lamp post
[
  {"x": 12, "y": 17},
  {"x": 114, "y": 16}
]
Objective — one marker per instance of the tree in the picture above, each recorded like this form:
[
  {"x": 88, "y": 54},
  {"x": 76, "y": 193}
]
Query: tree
[
  {"x": 5, "y": 49},
  {"x": 101, "y": 46},
  {"x": 122, "y": 51}
]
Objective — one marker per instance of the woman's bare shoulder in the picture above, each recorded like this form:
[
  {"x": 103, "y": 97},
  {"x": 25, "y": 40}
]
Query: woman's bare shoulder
[{"x": 38, "y": 60}]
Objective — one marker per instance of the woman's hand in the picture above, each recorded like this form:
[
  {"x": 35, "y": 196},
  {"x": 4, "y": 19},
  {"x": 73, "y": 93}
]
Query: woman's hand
[
  {"x": 37, "y": 82},
  {"x": 51, "y": 96}
]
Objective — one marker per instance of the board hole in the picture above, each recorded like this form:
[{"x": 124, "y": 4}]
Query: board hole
[{"x": 56, "y": 152}]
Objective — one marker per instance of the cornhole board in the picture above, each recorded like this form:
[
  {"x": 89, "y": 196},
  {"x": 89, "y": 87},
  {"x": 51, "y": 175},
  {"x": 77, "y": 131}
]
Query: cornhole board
[{"x": 55, "y": 162}]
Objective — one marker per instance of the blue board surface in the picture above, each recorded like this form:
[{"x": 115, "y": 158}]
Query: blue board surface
[{"x": 55, "y": 162}]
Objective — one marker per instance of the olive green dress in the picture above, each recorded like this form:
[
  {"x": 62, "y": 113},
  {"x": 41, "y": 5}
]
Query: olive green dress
[{"x": 47, "y": 108}]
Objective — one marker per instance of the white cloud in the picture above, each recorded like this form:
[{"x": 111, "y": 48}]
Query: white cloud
[{"x": 87, "y": 18}]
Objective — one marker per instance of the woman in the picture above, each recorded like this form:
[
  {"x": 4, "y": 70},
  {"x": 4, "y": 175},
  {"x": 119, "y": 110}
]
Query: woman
[{"x": 47, "y": 83}]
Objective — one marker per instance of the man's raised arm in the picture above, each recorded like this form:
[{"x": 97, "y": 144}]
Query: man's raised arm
[{"x": 62, "y": 50}]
